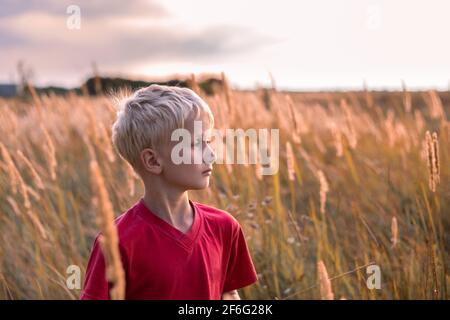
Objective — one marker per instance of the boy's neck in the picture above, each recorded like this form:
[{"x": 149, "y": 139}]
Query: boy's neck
[{"x": 172, "y": 206}]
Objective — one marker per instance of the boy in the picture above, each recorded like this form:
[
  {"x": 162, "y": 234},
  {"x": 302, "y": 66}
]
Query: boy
[{"x": 170, "y": 246}]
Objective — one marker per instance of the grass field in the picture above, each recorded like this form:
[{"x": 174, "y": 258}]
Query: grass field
[{"x": 355, "y": 187}]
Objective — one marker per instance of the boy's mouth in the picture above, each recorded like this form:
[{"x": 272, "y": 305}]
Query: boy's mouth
[{"x": 207, "y": 171}]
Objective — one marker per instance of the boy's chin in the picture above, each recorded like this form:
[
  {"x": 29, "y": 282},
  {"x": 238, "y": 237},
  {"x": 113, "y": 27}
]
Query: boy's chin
[{"x": 199, "y": 186}]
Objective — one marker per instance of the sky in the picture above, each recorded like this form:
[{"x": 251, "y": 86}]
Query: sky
[{"x": 304, "y": 45}]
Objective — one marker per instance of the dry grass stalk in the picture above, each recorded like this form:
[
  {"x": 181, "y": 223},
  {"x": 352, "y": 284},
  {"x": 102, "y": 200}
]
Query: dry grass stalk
[
  {"x": 109, "y": 239},
  {"x": 296, "y": 132},
  {"x": 91, "y": 151},
  {"x": 106, "y": 143},
  {"x": 258, "y": 169},
  {"x": 14, "y": 206},
  {"x": 300, "y": 238},
  {"x": 430, "y": 160},
  {"x": 326, "y": 292},
  {"x": 350, "y": 129},
  {"x": 436, "y": 167},
  {"x": 436, "y": 108},
  {"x": 16, "y": 179},
  {"x": 323, "y": 190},
  {"x": 290, "y": 161},
  {"x": 11, "y": 168},
  {"x": 319, "y": 144},
  {"x": 390, "y": 127},
  {"x": 308, "y": 160},
  {"x": 23, "y": 187},
  {"x": 36, "y": 99},
  {"x": 407, "y": 98},
  {"x": 37, "y": 223},
  {"x": 131, "y": 176},
  {"x": 420, "y": 122},
  {"x": 432, "y": 152},
  {"x": 33, "y": 193},
  {"x": 228, "y": 154},
  {"x": 337, "y": 135},
  {"x": 37, "y": 179},
  {"x": 228, "y": 98},
  {"x": 394, "y": 231},
  {"x": 50, "y": 152},
  {"x": 368, "y": 95}
]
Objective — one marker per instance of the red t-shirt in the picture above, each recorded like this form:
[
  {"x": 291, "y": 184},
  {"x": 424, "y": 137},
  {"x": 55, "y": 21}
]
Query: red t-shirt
[{"x": 163, "y": 263}]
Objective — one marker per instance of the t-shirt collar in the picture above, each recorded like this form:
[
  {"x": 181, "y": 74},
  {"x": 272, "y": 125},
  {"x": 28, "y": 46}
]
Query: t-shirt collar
[{"x": 186, "y": 239}]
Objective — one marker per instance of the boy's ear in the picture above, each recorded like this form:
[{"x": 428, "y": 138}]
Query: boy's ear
[{"x": 151, "y": 161}]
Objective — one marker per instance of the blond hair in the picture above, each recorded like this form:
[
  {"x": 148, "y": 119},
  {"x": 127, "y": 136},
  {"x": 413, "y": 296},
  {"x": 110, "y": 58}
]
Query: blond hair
[{"x": 147, "y": 118}]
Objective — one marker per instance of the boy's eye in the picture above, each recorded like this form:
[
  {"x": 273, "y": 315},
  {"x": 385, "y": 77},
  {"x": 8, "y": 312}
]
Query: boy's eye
[
  {"x": 199, "y": 141},
  {"x": 209, "y": 139}
]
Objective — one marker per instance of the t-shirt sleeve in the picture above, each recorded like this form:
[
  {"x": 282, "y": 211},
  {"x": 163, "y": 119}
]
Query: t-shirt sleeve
[
  {"x": 241, "y": 271},
  {"x": 96, "y": 285}
]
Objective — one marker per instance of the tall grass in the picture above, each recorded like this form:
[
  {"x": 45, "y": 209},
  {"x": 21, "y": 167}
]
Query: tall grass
[{"x": 358, "y": 184}]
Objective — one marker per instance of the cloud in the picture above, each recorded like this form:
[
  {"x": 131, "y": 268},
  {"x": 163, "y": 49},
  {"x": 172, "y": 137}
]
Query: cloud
[{"x": 45, "y": 43}]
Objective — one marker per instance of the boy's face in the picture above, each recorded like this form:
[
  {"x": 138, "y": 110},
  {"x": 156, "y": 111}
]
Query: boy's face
[{"x": 193, "y": 175}]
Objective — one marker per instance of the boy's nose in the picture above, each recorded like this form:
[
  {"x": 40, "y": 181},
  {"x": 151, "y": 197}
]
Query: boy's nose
[{"x": 209, "y": 156}]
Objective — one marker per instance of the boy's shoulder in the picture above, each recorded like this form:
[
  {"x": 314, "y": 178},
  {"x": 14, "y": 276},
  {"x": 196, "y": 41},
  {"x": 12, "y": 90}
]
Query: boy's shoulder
[
  {"x": 129, "y": 223},
  {"x": 214, "y": 211},
  {"x": 216, "y": 216}
]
